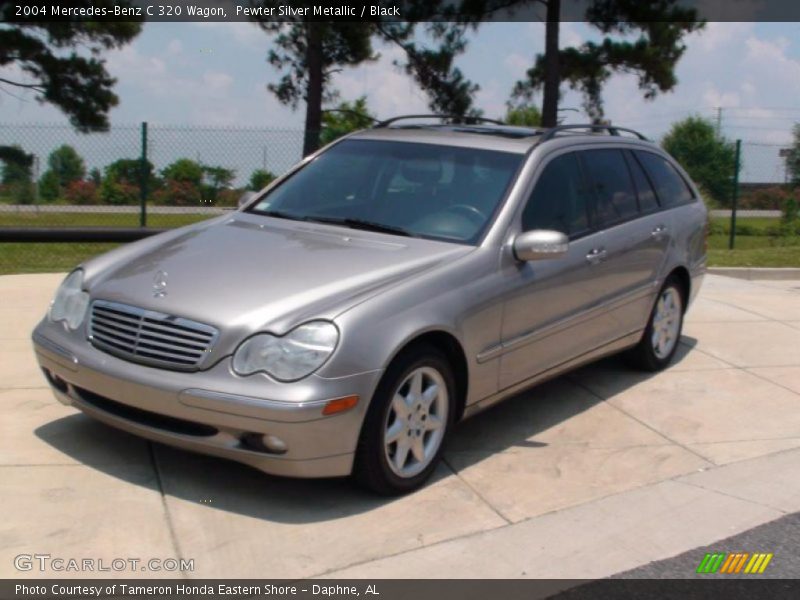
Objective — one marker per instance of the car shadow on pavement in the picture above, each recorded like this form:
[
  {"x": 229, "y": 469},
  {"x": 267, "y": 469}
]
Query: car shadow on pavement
[{"x": 223, "y": 485}]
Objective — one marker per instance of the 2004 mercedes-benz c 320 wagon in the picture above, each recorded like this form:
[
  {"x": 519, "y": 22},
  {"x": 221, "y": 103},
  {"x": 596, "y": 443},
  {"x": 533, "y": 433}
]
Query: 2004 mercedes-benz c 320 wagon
[{"x": 403, "y": 278}]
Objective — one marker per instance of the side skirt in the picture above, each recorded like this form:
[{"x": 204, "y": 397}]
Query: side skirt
[{"x": 613, "y": 347}]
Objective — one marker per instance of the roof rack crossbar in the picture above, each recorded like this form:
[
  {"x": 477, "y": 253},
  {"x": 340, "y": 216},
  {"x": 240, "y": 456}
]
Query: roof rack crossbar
[
  {"x": 465, "y": 119},
  {"x": 611, "y": 129}
]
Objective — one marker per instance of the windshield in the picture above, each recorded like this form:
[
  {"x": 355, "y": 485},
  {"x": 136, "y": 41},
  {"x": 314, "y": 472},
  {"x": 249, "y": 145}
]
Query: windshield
[{"x": 401, "y": 188}]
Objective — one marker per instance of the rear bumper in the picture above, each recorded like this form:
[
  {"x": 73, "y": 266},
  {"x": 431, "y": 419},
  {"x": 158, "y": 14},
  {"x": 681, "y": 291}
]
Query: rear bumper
[{"x": 213, "y": 412}]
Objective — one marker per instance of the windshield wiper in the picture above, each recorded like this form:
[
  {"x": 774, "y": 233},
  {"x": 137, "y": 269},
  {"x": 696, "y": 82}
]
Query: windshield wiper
[
  {"x": 278, "y": 214},
  {"x": 362, "y": 224}
]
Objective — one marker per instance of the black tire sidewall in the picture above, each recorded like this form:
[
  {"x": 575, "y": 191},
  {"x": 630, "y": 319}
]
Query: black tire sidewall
[{"x": 372, "y": 468}]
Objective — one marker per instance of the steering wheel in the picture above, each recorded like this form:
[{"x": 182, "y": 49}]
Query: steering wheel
[{"x": 469, "y": 211}]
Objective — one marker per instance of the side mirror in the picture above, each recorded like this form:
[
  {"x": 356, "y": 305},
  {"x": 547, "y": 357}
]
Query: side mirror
[
  {"x": 540, "y": 244},
  {"x": 246, "y": 198}
]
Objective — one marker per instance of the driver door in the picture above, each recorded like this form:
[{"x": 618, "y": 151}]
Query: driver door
[{"x": 548, "y": 317}]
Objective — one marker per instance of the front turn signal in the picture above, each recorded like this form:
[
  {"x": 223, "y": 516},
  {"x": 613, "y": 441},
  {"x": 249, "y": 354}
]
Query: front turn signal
[{"x": 339, "y": 405}]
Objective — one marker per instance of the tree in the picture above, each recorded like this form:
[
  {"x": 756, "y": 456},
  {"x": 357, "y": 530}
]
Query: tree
[
  {"x": 309, "y": 52},
  {"x": 122, "y": 181},
  {"x": 60, "y": 60},
  {"x": 525, "y": 115},
  {"x": 65, "y": 165},
  {"x": 17, "y": 174},
  {"x": 259, "y": 179},
  {"x": 215, "y": 180},
  {"x": 793, "y": 159},
  {"x": 184, "y": 169},
  {"x": 707, "y": 156},
  {"x": 49, "y": 190},
  {"x": 661, "y": 25},
  {"x": 448, "y": 91},
  {"x": 346, "y": 117}
]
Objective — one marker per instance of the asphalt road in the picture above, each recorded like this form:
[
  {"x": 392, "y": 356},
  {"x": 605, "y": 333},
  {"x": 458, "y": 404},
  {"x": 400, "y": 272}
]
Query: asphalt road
[
  {"x": 781, "y": 537},
  {"x": 677, "y": 578}
]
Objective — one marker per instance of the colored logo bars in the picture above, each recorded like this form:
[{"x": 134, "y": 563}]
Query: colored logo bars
[{"x": 741, "y": 562}]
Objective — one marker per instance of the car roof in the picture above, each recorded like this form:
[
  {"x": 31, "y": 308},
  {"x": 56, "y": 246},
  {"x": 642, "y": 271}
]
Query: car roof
[{"x": 501, "y": 138}]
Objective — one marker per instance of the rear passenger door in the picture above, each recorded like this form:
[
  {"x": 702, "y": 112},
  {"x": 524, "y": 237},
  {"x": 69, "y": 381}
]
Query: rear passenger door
[{"x": 637, "y": 234}]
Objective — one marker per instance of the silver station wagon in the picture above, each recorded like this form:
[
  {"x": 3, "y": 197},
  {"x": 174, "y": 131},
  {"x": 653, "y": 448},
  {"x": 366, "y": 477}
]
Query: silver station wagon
[{"x": 399, "y": 280}]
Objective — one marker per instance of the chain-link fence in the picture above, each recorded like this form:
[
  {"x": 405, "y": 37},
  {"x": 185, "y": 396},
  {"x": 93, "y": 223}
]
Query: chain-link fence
[
  {"x": 157, "y": 175},
  {"x": 168, "y": 176},
  {"x": 130, "y": 176}
]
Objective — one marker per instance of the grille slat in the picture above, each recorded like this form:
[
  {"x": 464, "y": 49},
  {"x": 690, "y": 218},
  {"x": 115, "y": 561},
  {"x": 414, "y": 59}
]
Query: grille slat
[
  {"x": 170, "y": 350},
  {"x": 147, "y": 326},
  {"x": 116, "y": 316},
  {"x": 147, "y": 334},
  {"x": 149, "y": 337},
  {"x": 120, "y": 333},
  {"x": 125, "y": 325}
]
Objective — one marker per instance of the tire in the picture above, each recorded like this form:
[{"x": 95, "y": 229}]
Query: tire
[
  {"x": 662, "y": 335},
  {"x": 390, "y": 466}
]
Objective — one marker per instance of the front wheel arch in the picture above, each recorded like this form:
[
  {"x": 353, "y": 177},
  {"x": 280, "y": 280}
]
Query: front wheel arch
[{"x": 448, "y": 345}]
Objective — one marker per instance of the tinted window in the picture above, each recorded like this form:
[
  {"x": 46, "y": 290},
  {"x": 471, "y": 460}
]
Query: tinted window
[
  {"x": 670, "y": 186},
  {"x": 611, "y": 181},
  {"x": 559, "y": 199},
  {"x": 426, "y": 190},
  {"x": 644, "y": 190}
]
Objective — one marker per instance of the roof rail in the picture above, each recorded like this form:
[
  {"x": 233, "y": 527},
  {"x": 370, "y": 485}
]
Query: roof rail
[
  {"x": 611, "y": 129},
  {"x": 466, "y": 119}
]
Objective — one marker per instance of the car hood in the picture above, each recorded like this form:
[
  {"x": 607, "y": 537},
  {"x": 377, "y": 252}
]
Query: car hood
[{"x": 247, "y": 273}]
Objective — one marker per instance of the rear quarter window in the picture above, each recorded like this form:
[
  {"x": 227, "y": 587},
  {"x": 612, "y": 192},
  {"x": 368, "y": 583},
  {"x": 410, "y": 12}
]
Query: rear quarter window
[{"x": 671, "y": 188}]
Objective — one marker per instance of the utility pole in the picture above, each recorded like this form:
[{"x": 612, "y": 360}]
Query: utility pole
[
  {"x": 735, "y": 198},
  {"x": 719, "y": 120}
]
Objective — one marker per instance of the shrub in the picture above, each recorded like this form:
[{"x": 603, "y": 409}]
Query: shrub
[
  {"x": 82, "y": 193},
  {"x": 791, "y": 212},
  {"x": 178, "y": 193},
  {"x": 260, "y": 179},
  {"x": 228, "y": 198},
  {"x": 769, "y": 198},
  {"x": 119, "y": 192},
  {"x": 49, "y": 188}
]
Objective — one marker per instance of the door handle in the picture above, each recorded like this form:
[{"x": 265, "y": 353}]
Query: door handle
[
  {"x": 659, "y": 231},
  {"x": 596, "y": 255}
]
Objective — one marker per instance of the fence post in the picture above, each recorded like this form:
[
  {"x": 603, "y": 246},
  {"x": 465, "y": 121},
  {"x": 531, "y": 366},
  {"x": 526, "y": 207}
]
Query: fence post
[
  {"x": 735, "y": 198},
  {"x": 144, "y": 175}
]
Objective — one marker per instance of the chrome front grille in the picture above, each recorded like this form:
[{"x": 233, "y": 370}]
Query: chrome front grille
[{"x": 149, "y": 337}]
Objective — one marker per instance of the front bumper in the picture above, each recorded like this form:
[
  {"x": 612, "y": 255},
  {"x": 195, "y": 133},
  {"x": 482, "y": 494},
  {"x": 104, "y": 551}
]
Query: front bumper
[{"x": 213, "y": 412}]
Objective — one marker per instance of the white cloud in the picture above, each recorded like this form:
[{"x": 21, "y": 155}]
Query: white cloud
[
  {"x": 517, "y": 64},
  {"x": 569, "y": 36},
  {"x": 389, "y": 91},
  {"x": 244, "y": 33},
  {"x": 217, "y": 81},
  {"x": 175, "y": 47}
]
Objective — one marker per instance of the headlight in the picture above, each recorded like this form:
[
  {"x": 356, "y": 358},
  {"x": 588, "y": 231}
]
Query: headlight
[
  {"x": 70, "y": 302},
  {"x": 291, "y": 357}
]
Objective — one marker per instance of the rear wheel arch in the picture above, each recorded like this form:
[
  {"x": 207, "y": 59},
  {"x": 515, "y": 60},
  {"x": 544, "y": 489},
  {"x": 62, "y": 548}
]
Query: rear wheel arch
[{"x": 681, "y": 276}]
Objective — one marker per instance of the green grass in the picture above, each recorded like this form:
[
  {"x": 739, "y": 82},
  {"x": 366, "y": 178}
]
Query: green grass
[
  {"x": 55, "y": 257},
  {"x": 20, "y": 219},
  {"x": 760, "y": 225},
  {"x": 754, "y": 251},
  {"x": 46, "y": 258}
]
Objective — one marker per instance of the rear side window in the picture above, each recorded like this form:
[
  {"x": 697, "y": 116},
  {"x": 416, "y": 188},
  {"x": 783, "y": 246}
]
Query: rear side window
[
  {"x": 615, "y": 196},
  {"x": 644, "y": 189},
  {"x": 671, "y": 188},
  {"x": 559, "y": 199}
]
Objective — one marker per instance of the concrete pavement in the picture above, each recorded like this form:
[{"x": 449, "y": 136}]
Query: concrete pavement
[{"x": 589, "y": 475}]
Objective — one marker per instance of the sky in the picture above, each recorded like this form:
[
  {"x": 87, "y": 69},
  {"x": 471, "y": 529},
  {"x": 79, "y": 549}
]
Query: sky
[{"x": 216, "y": 74}]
